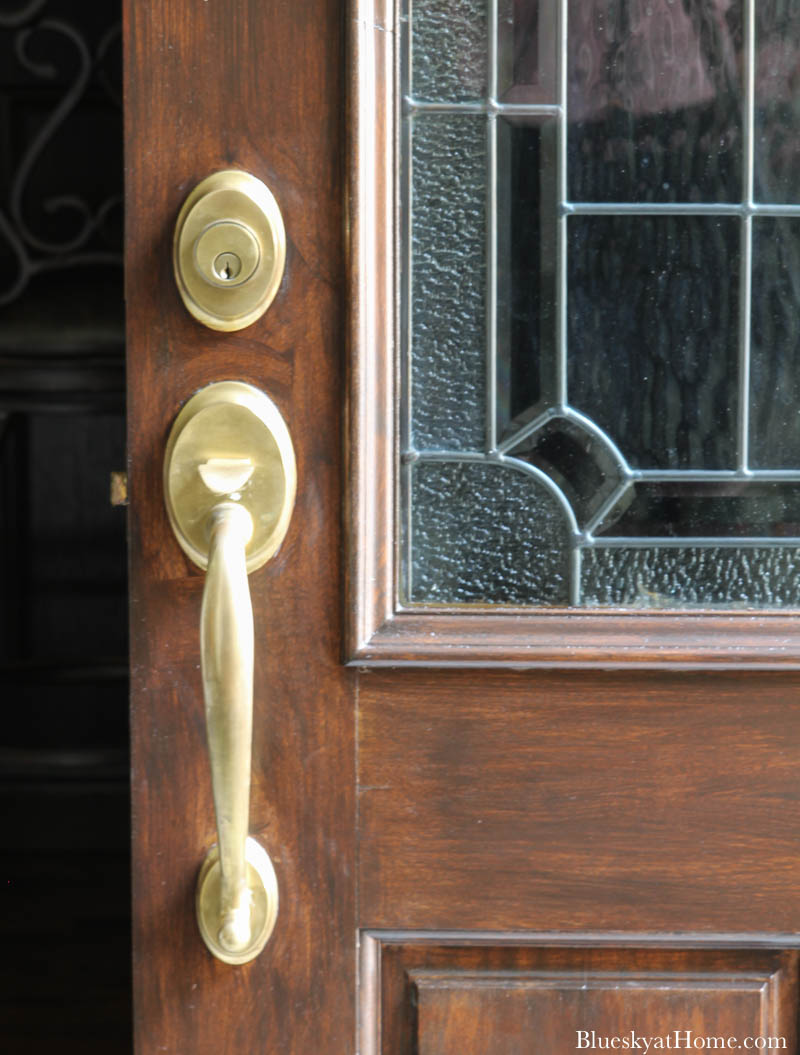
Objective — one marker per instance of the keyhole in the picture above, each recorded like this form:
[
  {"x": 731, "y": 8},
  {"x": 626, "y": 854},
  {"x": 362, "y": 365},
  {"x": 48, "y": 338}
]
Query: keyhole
[{"x": 227, "y": 266}]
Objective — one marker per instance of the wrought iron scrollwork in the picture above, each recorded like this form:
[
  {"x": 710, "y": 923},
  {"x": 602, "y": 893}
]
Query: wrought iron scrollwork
[
  {"x": 89, "y": 241},
  {"x": 13, "y": 19}
]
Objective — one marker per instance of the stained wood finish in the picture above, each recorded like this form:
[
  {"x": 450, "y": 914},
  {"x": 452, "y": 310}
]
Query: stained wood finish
[
  {"x": 459, "y": 1013},
  {"x": 514, "y": 802},
  {"x": 572, "y": 640},
  {"x": 260, "y": 87},
  {"x": 467, "y": 999},
  {"x": 370, "y": 443}
]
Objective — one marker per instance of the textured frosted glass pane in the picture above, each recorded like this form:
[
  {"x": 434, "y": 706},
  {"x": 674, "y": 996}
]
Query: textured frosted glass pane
[
  {"x": 485, "y": 533},
  {"x": 777, "y": 144},
  {"x": 663, "y": 577},
  {"x": 448, "y": 282},
  {"x": 449, "y": 49},
  {"x": 654, "y": 100},
  {"x": 775, "y": 365},
  {"x": 653, "y": 335}
]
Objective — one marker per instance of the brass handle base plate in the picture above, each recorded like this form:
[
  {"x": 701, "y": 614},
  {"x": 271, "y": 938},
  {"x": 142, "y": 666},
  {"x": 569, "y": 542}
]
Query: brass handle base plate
[
  {"x": 230, "y": 443},
  {"x": 263, "y": 886}
]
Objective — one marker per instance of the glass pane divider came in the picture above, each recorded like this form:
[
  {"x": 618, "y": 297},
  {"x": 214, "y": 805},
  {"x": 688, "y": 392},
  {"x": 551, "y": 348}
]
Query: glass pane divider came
[{"x": 489, "y": 107}]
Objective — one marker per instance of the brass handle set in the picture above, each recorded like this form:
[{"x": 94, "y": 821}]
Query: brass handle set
[{"x": 229, "y": 483}]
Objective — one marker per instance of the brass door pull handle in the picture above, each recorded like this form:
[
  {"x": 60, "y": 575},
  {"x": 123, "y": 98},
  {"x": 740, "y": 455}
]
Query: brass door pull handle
[
  {"x": 226, "y": 660},
  {"x": 230, "y": 481}
]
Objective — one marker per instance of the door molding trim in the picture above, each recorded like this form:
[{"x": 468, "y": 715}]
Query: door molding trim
[
  {"x": 372, "y": 943},
  {"x": 370, "y": 435},
  {"x": 371, "y": 939}
]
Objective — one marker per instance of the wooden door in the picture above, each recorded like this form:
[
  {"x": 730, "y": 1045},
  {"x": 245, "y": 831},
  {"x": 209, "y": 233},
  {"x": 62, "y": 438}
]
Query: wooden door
[{"x": 583, "y": 835}]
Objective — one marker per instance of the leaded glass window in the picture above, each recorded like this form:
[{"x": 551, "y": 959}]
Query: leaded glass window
[{"x": 600, "y": 322}]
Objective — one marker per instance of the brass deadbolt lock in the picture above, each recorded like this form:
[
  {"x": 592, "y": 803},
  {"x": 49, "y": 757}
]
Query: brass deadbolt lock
[{"x": 229, "y": 250}]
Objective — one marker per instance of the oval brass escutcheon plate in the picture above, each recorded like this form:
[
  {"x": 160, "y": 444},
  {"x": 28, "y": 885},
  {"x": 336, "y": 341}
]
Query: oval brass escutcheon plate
[
  {"x": 230, "y": 443},
  {"x": 229, "y": 250},
  {"x": 263, "y": 886}
]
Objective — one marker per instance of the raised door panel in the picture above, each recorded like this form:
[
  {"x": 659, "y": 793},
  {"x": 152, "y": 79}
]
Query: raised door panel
[
  {"x": 459, "y": 1013},
  {"x": 463, "y": 997}
]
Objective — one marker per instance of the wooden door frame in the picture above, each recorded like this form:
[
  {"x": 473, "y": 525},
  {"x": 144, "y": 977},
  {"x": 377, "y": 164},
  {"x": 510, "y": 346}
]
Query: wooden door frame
[{"x": 381, "y": 629}]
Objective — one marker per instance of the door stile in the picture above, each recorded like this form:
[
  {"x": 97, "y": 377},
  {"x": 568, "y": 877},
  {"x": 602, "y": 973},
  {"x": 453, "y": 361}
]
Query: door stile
[{"x": 213, "y": 86}]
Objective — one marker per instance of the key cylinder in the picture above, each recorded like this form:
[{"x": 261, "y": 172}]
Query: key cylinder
[{"x": 226, "y": 253}]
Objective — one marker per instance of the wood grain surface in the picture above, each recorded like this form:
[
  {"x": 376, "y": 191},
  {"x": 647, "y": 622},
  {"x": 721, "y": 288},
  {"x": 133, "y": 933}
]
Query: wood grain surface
[
  {"x": 211, "y": 86},
  {"x": 633, "y": 802},
  {"x": 468, "y": 999}
]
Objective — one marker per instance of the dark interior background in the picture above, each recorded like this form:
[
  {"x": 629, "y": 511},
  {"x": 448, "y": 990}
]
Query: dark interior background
[{"x": 65, "y": 924}]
